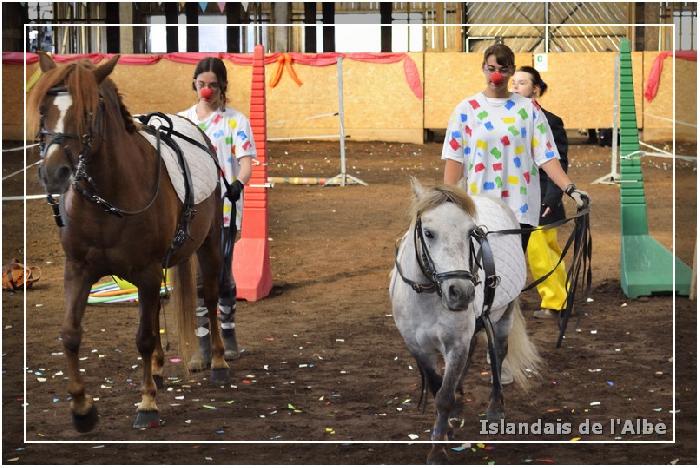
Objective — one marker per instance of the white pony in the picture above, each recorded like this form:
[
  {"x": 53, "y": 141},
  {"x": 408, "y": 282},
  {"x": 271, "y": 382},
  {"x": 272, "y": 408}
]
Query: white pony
[{"x": 437, "y": 295}]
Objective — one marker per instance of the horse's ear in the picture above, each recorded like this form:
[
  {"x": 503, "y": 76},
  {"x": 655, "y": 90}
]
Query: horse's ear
[
  {"x": 46, "y": 63},
  {"x": 105, "y": 69},
  {"x": 417, "y": 187}
]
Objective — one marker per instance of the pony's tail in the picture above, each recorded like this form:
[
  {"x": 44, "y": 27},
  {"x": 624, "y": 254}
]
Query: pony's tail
[
  {"x": 185, "y": 302},
  {"x": 522, "y": 353}
]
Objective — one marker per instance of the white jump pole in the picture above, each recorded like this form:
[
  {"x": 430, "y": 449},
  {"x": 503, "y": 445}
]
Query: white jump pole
[
  {"x": 343, "y": 178},
  {"x": 613, "y": 177}
]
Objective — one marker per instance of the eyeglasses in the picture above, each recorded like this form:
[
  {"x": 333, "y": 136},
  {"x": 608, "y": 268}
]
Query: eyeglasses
[{"x": 201, "y": 84}]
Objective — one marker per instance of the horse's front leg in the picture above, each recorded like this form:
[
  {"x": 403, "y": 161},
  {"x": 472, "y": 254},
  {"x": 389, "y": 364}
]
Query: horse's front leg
[
  {"x": 455, "y": 419},
  {"x": 77, "y": 283},
  {"x": 146, "y": 339},
  {"x": 496, "y": 408},
  {"x": 445, "y": 400}
]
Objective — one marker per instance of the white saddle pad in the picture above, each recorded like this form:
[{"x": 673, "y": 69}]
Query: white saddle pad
[
  {"x": 507, "y": 252},
  {"x": 202, "y": 168}
]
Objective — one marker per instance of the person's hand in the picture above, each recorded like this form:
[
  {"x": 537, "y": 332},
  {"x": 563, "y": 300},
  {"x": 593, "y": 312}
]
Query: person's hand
[
  {"x": 234, "y": 192},
  {"x": 580, "y": 197}
]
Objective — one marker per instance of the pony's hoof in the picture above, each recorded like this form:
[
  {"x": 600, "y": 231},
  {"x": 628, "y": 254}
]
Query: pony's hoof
[
  {"x": 158, "y": 379},
  {"x": 86, "y": 422},
  {"x": 495, "y": 415},
  {"x": 456, "y": 423},
  {"x": 220, "y": 376},
  {"x": 231, "y": 354},
  {"x": 437, "y": 456},
  {"x": 197, "y": 364},
  {"x": 146, "y": 419}
]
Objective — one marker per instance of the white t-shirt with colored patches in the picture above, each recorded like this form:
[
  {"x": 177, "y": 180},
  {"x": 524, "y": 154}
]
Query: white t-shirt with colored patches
[
  {"x": 229, "y": 132},
  {"x": 501, "y": 143}
]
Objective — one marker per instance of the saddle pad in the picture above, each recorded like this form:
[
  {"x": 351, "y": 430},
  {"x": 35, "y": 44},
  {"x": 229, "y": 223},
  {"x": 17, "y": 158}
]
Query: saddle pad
[
  {"x": 202, "y": 168},
  {"x": 507, "y": 252}
]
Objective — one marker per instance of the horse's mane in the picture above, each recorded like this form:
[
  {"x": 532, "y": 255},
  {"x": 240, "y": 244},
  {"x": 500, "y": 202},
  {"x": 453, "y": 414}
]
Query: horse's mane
[
  {"x": 80, "y": 82},
  {"x": 436, "y": 196}
]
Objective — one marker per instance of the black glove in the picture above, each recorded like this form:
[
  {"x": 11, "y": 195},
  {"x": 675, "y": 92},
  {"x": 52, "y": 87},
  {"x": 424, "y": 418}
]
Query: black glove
[
  {"x": 235, "y": 190},
  {"x": 579, "y": 196}
]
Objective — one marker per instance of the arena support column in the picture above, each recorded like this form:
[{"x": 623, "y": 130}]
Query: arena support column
[{"x": 251, "y": 257}]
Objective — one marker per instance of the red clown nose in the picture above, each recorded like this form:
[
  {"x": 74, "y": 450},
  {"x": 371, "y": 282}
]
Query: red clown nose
[
  {"x": 205, "y": 93},
  {"x": 497, "y": 78}
]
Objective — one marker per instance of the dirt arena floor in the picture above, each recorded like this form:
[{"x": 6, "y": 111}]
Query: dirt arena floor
[{"x": 322, "y": 358}]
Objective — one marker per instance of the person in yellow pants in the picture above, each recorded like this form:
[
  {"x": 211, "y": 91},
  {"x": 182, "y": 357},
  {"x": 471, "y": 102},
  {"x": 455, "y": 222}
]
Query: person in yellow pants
[{"x": 543, "y": 251}]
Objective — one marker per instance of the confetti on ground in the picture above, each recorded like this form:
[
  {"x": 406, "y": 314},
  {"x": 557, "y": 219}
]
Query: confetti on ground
[
  {"x": 594, "y": 332},
  {"x": 610, "y": 383},
  {"x": 624, "y": 304},
  {"x": 98, "y": 446},
  {"x": 589, "y": 300},
  {"x": 340, "y": 340},
  {"x": 412, "y": 436},
  {"x": 175, "y": 360},
  {"x": 209, "y": 407},
  {"x": 13, "y": 459},
  {"x": 595, "y": 403},
  {"x": 330, "y": 431},
  {"x": 575, "y": 439}
]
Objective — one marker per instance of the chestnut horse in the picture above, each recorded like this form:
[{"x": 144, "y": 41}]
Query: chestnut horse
[{"x": 119, "y": 214}]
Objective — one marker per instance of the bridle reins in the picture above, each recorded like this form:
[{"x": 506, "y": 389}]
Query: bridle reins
[{"x": 88, "y": 189}]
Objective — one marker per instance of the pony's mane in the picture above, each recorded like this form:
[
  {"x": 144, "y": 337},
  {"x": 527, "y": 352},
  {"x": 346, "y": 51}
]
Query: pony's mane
[
  {"x": 80, "y": 82},
  {"x": 436, "y": 196}
]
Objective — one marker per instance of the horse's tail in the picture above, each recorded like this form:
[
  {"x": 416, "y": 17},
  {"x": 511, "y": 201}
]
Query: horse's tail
[
  {"x": 522, "y": 353},
  {"x": 185, "y": 302}
]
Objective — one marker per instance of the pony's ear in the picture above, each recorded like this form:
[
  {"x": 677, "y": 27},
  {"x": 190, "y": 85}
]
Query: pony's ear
[
  {"x": 417, "y": 187},
  {"x": 105, "y": 69},
  {"x": 46, "y": 63}
]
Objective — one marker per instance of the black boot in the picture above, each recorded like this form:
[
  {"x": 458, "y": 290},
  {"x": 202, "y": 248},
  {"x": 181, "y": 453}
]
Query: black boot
[
  {"x": 227, "y": 318},
  {"x": 201, "y": 358}
]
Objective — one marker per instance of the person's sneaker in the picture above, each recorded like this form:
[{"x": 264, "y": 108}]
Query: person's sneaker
[{"x": 546, "y": 314}]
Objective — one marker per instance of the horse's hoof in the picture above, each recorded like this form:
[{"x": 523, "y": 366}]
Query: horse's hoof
[
  {"x": 196, "y": 365},
  {"x": 86, "y": 422},
  {"x": 495, "y": 415},
  {"x": 220, "y": 376},
  {"x": 231, "y": 354},
  {"x": 158, "y": 379},
  {"x": 456, "y": 423},
  {"x": 437, "y": 456},
  {"x": 146, "y": 419}
]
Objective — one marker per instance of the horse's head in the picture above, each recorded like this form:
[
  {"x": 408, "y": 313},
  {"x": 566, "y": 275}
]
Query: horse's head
[
  {"x": 444, "y": 221},
  {"x": 67, "y": 102}
]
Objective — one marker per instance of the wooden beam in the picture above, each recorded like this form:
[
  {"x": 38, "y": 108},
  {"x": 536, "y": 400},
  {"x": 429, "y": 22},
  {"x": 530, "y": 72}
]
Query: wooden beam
[
  {"x": 234, "y": 15},
  {"x": 328, "y": 28},
  {"x": 112, "y": 17},
  {"x": 192, "y": 17},
  {"x": 310, "y": 31},
  {"x": 385, "y": 10},
  {"x": 171, "y": 14}
]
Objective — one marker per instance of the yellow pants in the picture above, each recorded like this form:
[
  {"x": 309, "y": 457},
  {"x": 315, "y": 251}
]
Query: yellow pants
[{"x": 543, "y": 253}]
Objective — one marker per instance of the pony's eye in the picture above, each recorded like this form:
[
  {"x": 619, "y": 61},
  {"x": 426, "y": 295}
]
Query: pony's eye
[{"x": 428, "y": 233}]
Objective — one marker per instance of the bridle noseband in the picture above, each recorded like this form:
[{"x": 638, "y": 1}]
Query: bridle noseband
[{"x": 427, "y": 265}]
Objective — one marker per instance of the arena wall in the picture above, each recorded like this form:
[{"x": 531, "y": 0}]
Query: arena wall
[{"x": 379, "y": 105}]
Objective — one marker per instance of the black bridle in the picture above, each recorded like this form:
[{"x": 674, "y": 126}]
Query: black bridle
[
  {"x": 88, "y": 145},
  {"x": 427, "y": 265},
  {"x": 483, "y": 259}
]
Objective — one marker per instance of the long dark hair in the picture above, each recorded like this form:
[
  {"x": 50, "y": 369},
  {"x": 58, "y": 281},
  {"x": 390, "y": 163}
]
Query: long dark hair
[
  {"x": 536, "y": 78},
  {"x": 216, "y": 66}
]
